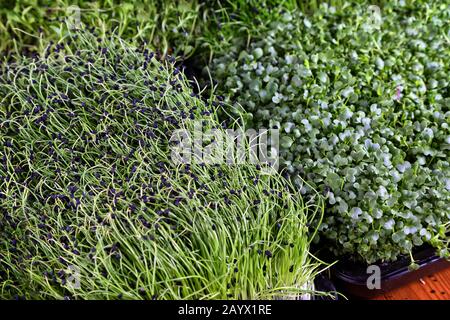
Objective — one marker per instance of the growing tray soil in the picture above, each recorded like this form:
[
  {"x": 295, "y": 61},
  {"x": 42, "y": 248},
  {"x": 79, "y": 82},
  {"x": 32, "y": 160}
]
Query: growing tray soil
[{"x": 350, "y": 278}]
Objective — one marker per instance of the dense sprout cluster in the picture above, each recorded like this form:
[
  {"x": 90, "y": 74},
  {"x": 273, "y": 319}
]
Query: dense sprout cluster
[
  {"x": 88, "y": 188},
  {"x": 363, "y": 105},
  {"x": 168, "y": 26}
]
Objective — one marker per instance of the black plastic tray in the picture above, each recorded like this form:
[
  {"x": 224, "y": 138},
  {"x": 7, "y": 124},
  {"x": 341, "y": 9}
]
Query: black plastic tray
[
  {"x": 323, "y": 283},
  {"x": 351, "y": 277}
]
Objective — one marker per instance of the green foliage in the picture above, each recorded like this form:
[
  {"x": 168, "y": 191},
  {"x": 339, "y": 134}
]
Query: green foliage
[
  {"x": 169, "y": 26},
  {"x": 87, "y": 185},
  {"x": 364, "y": 109},
  {"x": 180, "y": 28}
]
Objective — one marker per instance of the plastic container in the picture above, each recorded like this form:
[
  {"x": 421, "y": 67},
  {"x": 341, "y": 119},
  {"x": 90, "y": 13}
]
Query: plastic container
[
  {"x": 351, "y": 278},
  {"x": 323, "y": 283}
]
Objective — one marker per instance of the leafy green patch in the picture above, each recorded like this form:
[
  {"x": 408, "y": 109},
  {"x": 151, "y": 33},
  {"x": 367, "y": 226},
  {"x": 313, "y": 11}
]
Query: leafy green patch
[{"x": 364, "y": 107}]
